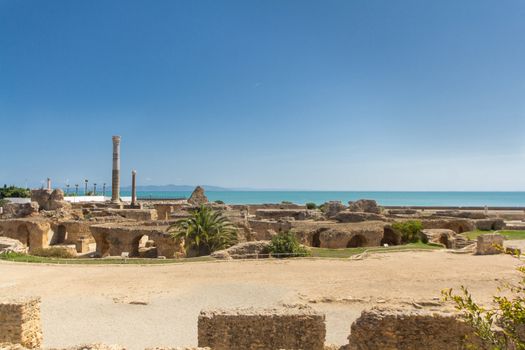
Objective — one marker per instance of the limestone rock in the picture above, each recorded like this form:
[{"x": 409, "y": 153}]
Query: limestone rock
[
  {"x": 12, "y": 245},
  {"x": 50, "y": 200},
  {"x": 198, "y": 197},
  {"x": 364, "y": 206},
  {"x": 332, "y": 208},
  {"x": 245, "y": 250},
  {"x": 489, "y": 244}
]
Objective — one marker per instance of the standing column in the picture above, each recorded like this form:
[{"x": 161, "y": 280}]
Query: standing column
[
  {"x": 115, "y": 180},
  {"x": 134, "y": 188},
  {"x": 48, "y": 184}
]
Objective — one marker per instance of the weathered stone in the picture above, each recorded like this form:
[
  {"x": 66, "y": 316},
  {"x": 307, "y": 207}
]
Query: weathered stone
[
  {"x": 441, "y": 236},
  {"x": 457, "y": 225},
  {"x": 12, "y": 245},
  {"x": 297, "y": 214},
  {"x": 198, "y": 197},
  {"x": 364, "y": 206},
  {"x": 490, "y": 224},
  {"x": 266, "y": 229},
  {"x": 34, "y": 232},
  {"x": 20, "y": 322},
  {"x": 350, "y": 216},
  {"x": 264, "y": 329},
  {"x": 19, "y": 210},
  {"x": 245, "y": 250},
  {"x": 460, "y": 214},
  {"x": 489, "y": 244},
  {"x": 331, "y": 208},
  {"x": 329, "y": 234},
  {"x": 82, "y": 245},
  {"x": 409, "y": 329},
  {"x": 50, "y": 200}
]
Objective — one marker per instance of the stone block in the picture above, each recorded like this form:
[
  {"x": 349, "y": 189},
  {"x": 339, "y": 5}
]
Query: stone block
[
  {"x": 20, "y": 322},
  {"x": 489, "y": 244}
]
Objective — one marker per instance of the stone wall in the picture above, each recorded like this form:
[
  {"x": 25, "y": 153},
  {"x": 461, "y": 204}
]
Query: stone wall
[
  {"x": 489, "y": 244},
  {"x": 33, "y": 232},
  {"x": 409, "y": 329},
  {"x": 20, "y": 322},
  {"x": 339, "y": 235},
  {"x": 457, "y": 225},
  {"x": 264, "y": 329},
  {"x": 265, "y": 229}
]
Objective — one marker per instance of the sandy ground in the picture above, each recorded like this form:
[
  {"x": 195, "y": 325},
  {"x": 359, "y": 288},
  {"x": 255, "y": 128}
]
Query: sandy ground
[{"x": 84, "y": 304}]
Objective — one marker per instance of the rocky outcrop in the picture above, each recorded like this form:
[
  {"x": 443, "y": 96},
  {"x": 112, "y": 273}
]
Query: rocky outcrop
[
  {"x": 241, "y": 329},
  {"x": 245, "y": 250},
  {"x": 331, "y": 208},
  {"x": 409, "y": 329},
  {"x": 364, "y": 206},
  {"x": 50, "y": 200},
  {"x": 198, "y": 197},
  {"x": 350, "y": 216}
]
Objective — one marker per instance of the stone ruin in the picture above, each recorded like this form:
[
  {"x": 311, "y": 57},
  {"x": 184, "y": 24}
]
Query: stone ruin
[
  {"x": 296, "y": 327},
  {"x": 198, "y": 197}
]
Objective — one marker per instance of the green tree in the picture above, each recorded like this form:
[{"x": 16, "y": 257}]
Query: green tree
[
  {"x": 285, "y": 244},
  {"x": 14, "y": 192},
  {"x": 311, "y": 205},
  {"x": 205, "y": 231}
]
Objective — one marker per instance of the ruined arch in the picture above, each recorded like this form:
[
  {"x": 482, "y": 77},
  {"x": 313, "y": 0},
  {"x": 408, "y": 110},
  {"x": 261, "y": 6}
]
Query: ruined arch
[
  {"x": 144, "y": 247},
  {"x": 316, "y": 237},
  {"x": 356, "y": 241},
  {"x": 390, "y": 237},
  {"x": 61, "y": 234},
  {"x": 23, "y": 235},
  {"x": 443, "y": 239}
]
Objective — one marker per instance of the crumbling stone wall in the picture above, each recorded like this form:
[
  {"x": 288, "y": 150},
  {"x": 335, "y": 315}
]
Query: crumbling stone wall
[
  {"x": 339, "y": 235},
  {"x": 20, "y": 322},
  {"x": 296, "y": 214},
  {"x": 33, "y": 232},
  {"x": 262, "y": 329},
  {"x": 409, "y": 329},
  {"x": 265, "y": 229},
  {"x": 457, "y": 225},
  {"x": 50, "y": 200}
]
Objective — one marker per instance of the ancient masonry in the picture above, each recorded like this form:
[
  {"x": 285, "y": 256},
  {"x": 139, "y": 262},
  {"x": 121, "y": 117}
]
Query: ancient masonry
[
  {"x": 20, "y": 322},
  {"x": 115, "y": 179},
  {"x": 288, "y": 328}
]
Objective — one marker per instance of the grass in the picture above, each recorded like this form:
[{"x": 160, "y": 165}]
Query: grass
[
  {"x": 507, "y": 234},
  {"x": 316, "y": 253},
  {"x": 348, "y": 252}
]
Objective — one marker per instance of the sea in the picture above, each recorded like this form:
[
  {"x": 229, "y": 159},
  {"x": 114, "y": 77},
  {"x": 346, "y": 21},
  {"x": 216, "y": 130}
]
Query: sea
[{"x": 385, "y": 198}]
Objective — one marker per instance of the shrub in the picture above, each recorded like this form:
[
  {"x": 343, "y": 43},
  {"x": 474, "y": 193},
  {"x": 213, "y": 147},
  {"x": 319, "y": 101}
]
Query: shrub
[
  {"x": 410, "y": 231},
  {"x": 311, "y": 205},
  {"x": 53, "y": 252},
  {"x": 14, "y": 192},
  {"x": 3, "y": 202},
  {"x": 286, "y": 202},
  {"x": 286, "y": 243},
  {"x": 218, "y": 201}
]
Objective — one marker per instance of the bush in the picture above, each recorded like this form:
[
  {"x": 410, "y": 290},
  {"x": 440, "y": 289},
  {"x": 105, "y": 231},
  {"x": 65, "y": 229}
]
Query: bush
[
  {"x": 410, "y": 231},
  {"x": 52, "y": 252},
  {"x": 219, "y": 201},
  {"x": 286, "y": 202},
  {"x": 14, "y": 192},
  {"x": 3, "y": 202},
  {"x": 287, "y": 244},
  {"x": 311, "y": 205}
]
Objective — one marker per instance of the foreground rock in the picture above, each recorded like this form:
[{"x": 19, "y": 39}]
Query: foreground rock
[
  {"x": 245, "y": 250},
  {"x": 489, "y": 244}
]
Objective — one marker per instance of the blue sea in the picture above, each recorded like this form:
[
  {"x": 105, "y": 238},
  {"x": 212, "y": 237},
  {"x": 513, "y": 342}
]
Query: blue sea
[{"x": 464, "y": 199}]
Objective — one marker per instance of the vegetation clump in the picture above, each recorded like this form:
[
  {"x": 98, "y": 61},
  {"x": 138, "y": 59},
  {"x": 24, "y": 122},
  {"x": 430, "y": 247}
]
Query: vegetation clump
[
  {"x": 14, "y": 192},
  {"x": 218, "y": 201},
  {"x": 285, "y": 244},
  {"x": 205, "y": 231},
  {"x": 311, "y": 205},
  {"x": 410, "y": 231}
]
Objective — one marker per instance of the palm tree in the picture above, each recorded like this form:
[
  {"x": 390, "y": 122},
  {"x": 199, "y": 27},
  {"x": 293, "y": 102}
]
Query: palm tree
[{"x": 205, "y": 231}]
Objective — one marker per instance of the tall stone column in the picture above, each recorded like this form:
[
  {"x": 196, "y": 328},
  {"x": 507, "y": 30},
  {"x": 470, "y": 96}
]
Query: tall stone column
[
  {"x": 48, "y": 184},
  {"x": 134, "y": 188},
  {"x": 115, "y": 180}
]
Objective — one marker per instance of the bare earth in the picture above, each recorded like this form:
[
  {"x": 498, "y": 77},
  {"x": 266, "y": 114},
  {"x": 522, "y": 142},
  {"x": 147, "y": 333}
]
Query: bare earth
[{"x": 85, "y": 304}]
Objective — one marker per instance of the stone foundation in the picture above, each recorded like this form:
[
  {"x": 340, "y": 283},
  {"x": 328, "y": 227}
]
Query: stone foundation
[
  {"x": 243, "y": 329},
  {"x": 409, "y": 329},
  {"x": 20, "y": 322}
]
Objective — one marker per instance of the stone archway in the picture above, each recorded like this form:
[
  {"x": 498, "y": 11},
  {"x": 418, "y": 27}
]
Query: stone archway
[
  {"x": 390, "y": 237},
  {"x": 61, "y": 234},
  {"x": 356, "y": 241}
]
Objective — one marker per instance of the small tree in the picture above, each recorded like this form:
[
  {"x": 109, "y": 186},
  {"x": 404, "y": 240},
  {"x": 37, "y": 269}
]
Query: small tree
[
  {"x": 409, "y": 231},
  {"x": 311, "y": 205},
  {"x": 285, "y": 244},
  {"x": 501, "y": 326},
  {"x": 205, "y": 231}
]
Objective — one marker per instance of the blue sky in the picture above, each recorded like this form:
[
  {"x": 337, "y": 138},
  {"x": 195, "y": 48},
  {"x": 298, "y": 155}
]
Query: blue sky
[{"x": 340, "y": 95}]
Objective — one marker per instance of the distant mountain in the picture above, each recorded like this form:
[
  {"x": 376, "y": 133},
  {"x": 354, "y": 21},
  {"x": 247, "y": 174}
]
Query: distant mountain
[{"x": 174, "y": 188}]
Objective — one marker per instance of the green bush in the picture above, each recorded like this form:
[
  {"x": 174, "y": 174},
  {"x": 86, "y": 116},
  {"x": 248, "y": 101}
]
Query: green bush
[
  {"x": 410, "y": 231},
  {"x": 53, "y": 252},
  {"x": 3, "y": 202},
  {"x": 286, "y": 202},
  {"x": 218, "y": 201},
  {"x": 286, "y": 243},
  {"x": 311, "y": 205},
  {"x": 14, "y": 192}
]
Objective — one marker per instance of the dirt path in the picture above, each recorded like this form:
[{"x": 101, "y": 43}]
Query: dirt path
[{"x": 86, "y": 303}]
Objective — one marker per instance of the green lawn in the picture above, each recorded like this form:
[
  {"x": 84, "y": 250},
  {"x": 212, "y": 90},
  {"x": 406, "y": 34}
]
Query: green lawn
[
  {"x": 508, "y": 234},
  {"x": 348, "y": 252}
]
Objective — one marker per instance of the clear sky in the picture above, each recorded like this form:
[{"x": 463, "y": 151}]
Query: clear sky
[{"x": 341, "y": 95}]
